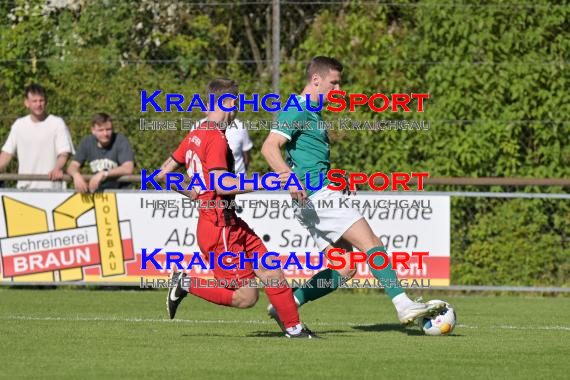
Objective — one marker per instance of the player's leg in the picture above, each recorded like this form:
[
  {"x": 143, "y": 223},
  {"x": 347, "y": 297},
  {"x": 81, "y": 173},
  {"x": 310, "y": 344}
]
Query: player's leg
[
  {"x": 241, "y": 298},
  {"x": 285, "y": 308},
  {"x": 199, "y": 287},
  {"x": 361, "y": 236},
  {"x": 244, "y": 298},
  {"x": 211, "y": 238},
  {"x": 326, "y": 226},
  {"x": 175, "y": 293},
  {"x": 278, "y": 293},
  {"x": 312, "y": 291}
]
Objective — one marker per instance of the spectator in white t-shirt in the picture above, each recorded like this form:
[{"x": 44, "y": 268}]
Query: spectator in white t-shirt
[
  {"x": 41, "y": 142},
  {"x": 240, "y": 144}
]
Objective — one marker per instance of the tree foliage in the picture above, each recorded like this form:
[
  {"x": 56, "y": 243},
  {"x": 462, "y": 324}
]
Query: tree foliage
[{"x": 497, "y": 74}]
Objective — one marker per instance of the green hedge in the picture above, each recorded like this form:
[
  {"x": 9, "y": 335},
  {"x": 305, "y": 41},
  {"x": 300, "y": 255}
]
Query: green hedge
[{"x": 497, "y": 75}]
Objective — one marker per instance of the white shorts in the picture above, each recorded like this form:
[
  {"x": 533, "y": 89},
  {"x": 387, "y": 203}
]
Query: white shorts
[{"x": 326, "y": 224}]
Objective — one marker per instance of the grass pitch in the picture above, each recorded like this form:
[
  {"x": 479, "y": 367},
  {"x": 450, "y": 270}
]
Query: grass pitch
[{"x": 71, "y": 333}]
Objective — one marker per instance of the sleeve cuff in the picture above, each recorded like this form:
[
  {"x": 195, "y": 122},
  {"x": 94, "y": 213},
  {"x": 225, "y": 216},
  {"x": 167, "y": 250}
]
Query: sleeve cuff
[
  {"x": 178, "y": 162},
  {"x": 282, "y": 134}
]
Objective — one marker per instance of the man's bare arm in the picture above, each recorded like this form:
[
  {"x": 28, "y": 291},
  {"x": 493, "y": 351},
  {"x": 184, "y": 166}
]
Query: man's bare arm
[
  {"x": 73, "y": 168},
  {"x": 246, "y": 159},
  {"x": 126, "y": 168},
  {"x": 169, "y": 166},
  {"x": 271, "y": 150},
  {"x": 74, "y": 171},
  {"x": 5, "y": 159},
  {"x": 61, "y": 160},
  {"x": 57, "y": 172}
]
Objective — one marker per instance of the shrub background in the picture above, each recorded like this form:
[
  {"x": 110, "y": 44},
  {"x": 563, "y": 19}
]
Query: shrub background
[{"x": 497, "y": 75}]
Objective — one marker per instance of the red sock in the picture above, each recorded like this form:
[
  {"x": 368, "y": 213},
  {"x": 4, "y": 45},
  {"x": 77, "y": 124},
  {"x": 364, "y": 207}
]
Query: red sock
[
  {"x": 217, "y": 295},
  {"x": 282, "y": 300}
]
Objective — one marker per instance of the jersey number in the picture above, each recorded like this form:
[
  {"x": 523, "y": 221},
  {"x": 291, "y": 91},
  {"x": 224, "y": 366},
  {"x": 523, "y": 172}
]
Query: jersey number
[{"x": 194, "y": 165}]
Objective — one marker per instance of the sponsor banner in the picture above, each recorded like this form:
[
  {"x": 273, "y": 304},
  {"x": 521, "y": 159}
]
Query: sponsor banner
[
  {"x": 65, "y": 237},
  {"x": 49, "y": 251}
]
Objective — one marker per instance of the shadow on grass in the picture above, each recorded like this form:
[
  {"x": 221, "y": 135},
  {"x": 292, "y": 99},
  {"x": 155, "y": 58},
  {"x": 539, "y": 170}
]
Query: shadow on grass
[
  {"x": 265, "y": 334},
  {"x": 205, "y": 334},
  {"x": 275, "y": 334},
  {"x": 411, "y": 331},
  {"x": 389, "y": 327}
]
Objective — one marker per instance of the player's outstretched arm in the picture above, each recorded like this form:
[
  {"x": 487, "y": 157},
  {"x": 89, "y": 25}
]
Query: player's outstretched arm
[
  {"x": 169, "y": 166},
  {"x": 271, "y": 150}
]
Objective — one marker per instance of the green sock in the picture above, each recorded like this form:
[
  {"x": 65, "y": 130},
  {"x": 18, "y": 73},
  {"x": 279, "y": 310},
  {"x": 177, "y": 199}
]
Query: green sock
[
  {"x": 392, "y": 287},
  {"x": 307, "y": 294}
]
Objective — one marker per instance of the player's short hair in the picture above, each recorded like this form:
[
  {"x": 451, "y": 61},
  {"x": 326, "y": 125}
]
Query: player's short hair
[
  {"x": 322, "y": 65},
  {"x": 35, "y": 89},
  {"x": 100, "y": 118},
  {"x": 221, "y": 86}
]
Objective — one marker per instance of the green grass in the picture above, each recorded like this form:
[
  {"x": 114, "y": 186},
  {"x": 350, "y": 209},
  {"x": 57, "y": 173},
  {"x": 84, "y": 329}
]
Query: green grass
[{"x": 71, "y": 333}]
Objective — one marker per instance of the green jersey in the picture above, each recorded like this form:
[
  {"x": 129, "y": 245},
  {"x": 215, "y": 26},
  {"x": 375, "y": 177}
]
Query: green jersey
[{"x": 308, "y": 146}]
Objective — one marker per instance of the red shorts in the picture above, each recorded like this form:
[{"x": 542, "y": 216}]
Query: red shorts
[{"x": 237, "y": 238}]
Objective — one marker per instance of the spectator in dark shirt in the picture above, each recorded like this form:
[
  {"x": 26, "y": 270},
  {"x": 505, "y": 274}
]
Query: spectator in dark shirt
[{"x": 109, "y": 155}]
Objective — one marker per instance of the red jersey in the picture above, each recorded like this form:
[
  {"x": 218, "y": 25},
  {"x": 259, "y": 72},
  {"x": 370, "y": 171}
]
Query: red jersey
[{"x": 201, "y": 151}]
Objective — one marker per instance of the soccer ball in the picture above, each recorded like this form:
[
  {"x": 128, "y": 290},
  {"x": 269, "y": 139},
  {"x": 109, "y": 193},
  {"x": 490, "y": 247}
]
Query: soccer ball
[{"x": 440, "y": 324}]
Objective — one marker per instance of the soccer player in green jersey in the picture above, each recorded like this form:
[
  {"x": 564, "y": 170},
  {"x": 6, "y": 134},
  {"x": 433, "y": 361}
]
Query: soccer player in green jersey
[{"x": 308, "y": 151}]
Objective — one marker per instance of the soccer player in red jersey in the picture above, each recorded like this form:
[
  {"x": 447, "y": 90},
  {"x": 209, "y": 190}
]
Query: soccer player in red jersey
[{"x": 205, "y": 150}]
